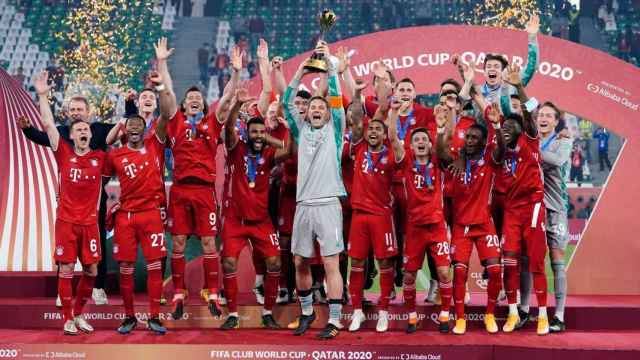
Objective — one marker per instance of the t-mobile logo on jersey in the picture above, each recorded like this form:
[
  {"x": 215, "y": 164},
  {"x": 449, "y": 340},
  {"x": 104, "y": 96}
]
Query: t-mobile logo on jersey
[
  {"x": 418, "y": 180},
  {"x": 75, "y": 174},
  {"x": 130, "y": 170}
]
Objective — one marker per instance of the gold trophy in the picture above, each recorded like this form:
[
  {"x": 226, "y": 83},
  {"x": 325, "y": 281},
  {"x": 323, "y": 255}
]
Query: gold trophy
[{"x": 317, "y": 62}]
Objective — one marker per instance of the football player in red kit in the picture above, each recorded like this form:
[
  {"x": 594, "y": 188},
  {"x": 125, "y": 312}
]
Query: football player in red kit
[
  {"x": 246, "y": 218},
  {"x": 80, "y": 172},
  {"x": 193, "y": 134},
  {"x": 524, "y": 213},
  {"x": 426, "y": 229},
  {"x": 372, "y": 219},
  {"x": 472, "y": 224},
  {"x": 138, "y": 166}
]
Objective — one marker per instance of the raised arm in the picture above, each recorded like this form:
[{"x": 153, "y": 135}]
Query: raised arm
[
  {"x": 31, "y": 133},
  {"x": 168, "y": 103},
  {"x": 357, "y": 112},
  {"x": 265, "y": 75},
  {"x": 533, "y": 50},
  {"x": 116, "y": 132},
  {"x": 345, "y": 72},
  {"x": 42, "y": 88},
  {"x": 280, "y": 84},
  {"x": 443, "y": 138},
  {"x": 513, "y": 78},
  {"x": 230, "y": 135},
  {"x": 398, "y": 149},
  {"x": 231, "y": 87},
  {"x": 290, "y": 111},
  {"x": 492, "y": 114},
  {"x": 161, "y": 127}
]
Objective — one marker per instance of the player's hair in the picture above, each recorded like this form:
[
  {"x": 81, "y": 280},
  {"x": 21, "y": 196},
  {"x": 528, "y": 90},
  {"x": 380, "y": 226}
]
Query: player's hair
[
  {"x": 496, "y": 57},
  {"x": 552, "y": 106},
  {"x": 80, "y": 98},
  {"x": 204, "y": 101},
  {"x": 322, "y": 98},
  {"x": 419, "y": 130},
  {"x": 377, "y": 119},
  {"x": 74, "y": 122},
  {"x": 135, "y": 116},
  {"x": 303, "y": 94},
  {"x": 453, "y": 82},
  {"x": 406, "y": 80},
  {"x": 147, "y": 89},
  {"x": 515, "y": 117},
  {"x": 391, "y": 77},
  {"x": 254, "y": 120},
  {"x": 515, "y": 96},
  {"x": 482, "y": 129}
]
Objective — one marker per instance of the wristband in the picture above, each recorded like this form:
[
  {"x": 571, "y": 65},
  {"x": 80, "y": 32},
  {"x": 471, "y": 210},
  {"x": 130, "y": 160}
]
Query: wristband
[
  {"x": 440, "y": 130},
  {"x": 496, "y": 125},
  {"x": 160, "y": 87}
]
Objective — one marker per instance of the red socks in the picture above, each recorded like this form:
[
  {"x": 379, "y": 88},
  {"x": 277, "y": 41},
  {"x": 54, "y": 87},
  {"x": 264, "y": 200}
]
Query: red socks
[
  {"x": 459, "y": 288},
  {"x": 493, "y": 287},
  {"x": 386, "y": 286},
  {"x": 83, "y": 292},
  {"x": 177, "y": 271},
  {"x": 271, "y": 289},
  {"x": 211, "y": 266},
  {"x": 126, "y": 288},
  {"x": 65, "y": 293},
  {"x": 446, "y": 292},
  {"x": 230, "y": 283},
  {"x": 409, "y": 294},
  {"x": 356, "y": 286},
  {"x": 540, "y": 286},
  {"x": 154, "y": 287},
  {"x": 511, "y": 278}
]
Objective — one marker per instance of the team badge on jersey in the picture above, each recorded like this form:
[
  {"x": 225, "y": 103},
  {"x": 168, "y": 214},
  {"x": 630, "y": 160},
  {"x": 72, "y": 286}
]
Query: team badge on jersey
[
  {"x": 94, "y": 162},
  {"x": 461, "y": 134},
  {"x": 115, "y": 248},
  {"x": 59, "y": 250}
]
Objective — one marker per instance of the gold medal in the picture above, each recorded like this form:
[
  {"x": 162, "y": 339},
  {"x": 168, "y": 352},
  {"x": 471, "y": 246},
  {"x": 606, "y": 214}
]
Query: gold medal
[{"x": 252, "y": 184}]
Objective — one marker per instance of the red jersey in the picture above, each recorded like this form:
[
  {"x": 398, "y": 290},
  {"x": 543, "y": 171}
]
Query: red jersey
[
  {"x": 194, "y": 147},
  {"x": 373, "y": 172},
  {"x": 247, "y": 191},
  {"x": 471, "y": 192},
  {"x": 424, "y": 190},
  {"x": 79, "y": 184},
  {"x": 140, "y": 175},
  {"x": 457, "y": 142},
  {"x": 523, "y": 165},
  {"x": 420, "y": 117}
]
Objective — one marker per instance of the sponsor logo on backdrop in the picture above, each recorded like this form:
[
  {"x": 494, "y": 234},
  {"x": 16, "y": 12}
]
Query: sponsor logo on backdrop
[{"x": 608, "y": 91}]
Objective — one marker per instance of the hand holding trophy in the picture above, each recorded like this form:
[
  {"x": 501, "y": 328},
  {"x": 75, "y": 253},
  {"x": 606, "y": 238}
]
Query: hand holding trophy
[{"x": 318, "y": 60}]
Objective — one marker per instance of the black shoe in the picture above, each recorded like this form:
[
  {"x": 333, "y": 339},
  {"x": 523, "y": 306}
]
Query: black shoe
[
  {"x": 156, "y": 326},
  {"x": 304, "y": 323},
  {"x": 178, "y": 310},
  {"x": 524, "y": 319},
  {"x": 214, "y": 308},
  {"x": 444, "y": 327},
  {"x": 557, "y": 326},
  {"x": 329, "y": 332},
  {"x": 269, "y": 322},
  {"x": 412, "y": 327},
  {"x": 127, "y": 326},
  {"x": 230, "y": 324}
]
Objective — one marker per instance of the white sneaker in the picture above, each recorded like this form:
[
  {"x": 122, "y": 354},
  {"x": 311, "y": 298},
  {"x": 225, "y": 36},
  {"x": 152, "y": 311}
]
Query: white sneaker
[
  {"x": 431, "y": 295},
  {"x": 58, "y": 302},
  {"x": 357, "y": 318},
  {"x": 82, "y": 324},
  {"x": 283, "y": 296},
  {"x": 383, "y": 321},
  {"x": 70, "y": 328},
  {"x": 99, "y": 297},
  {"x": 259, "y": 291}
]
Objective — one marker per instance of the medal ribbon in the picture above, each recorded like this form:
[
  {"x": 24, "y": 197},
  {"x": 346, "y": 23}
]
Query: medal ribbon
[
  {"x": 193, "y": 120},
  {"x": 370, "y": 164},
  {"x": 547, "y": 142},
  {"x": 252, "y": 167},
  {"x": 426, "y": 173},
  {"x": 402, "y": 128},
  {"x": 470, "y": 163}
]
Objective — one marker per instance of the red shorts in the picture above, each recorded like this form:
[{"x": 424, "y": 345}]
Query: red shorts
[
  {"x": 192, "y": 210},
  {"x": 524, "y": 227},
  {"x": 286, "y": 212},
  {"x": 400, "y": 206},
  {"x": 369, "y": 230},
  {"x": 77, "y": 241},
  {"x": 237, "y": 234},
  {"x": 144, "y": 227},
  {"x": 483, "y": 235},
  {"x": 422, "y": 237}
]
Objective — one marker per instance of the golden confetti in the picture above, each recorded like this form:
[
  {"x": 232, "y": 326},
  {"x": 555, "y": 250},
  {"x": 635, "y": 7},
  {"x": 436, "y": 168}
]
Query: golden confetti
[{"x": 511, "y": 14}]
